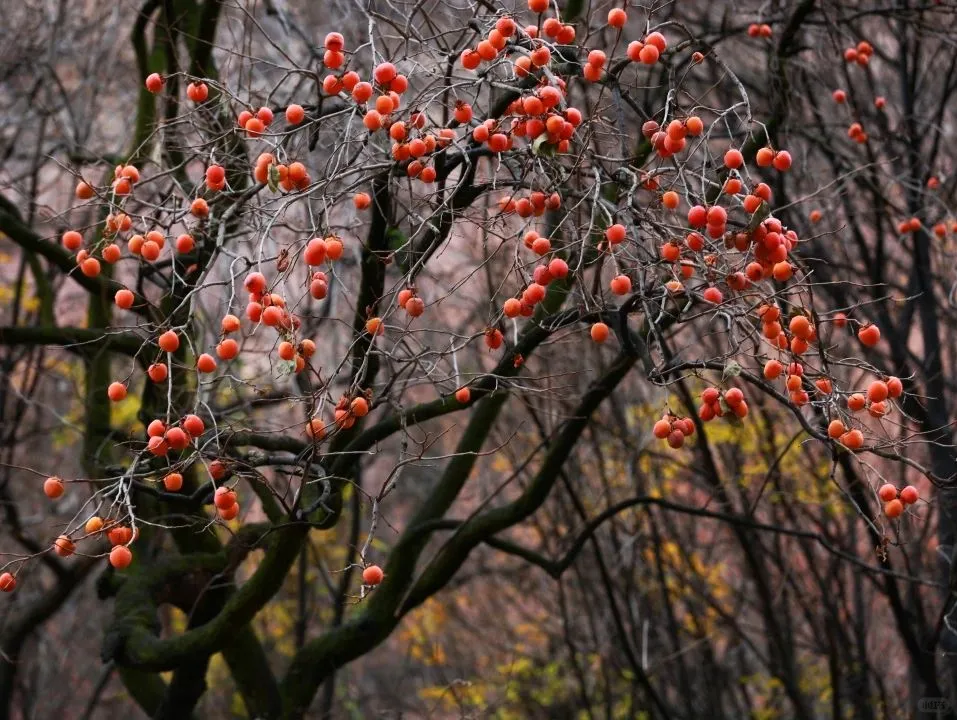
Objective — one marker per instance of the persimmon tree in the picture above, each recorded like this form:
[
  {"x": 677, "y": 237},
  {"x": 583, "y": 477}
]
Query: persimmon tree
[{"x": 326, "y": 287}]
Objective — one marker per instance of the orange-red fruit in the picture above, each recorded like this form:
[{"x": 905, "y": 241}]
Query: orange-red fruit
[
  {"x": 887, "y": 492},
  {"x": 72, "y": 240},
  {"x": 90, "y": 267},
  {"x": 53, "y": 487},
  {"x": 176, "y": 438},
  {"x": 315, "y": 429},
  {"x": 856, "y": 402},
  {"x": 173, "y": 482},
  {"x": 169, "y": 341},
  {"x": 617, "y": 18},
  {"x": 372, "y": 575},
  {"x": 615, "y": 233},
  {"x": 895, "y": 387},
  {"x": 661, "y": 429},
  {"x": 853, "y": 439},
  {"x": 315, "y": 252},
  {"x": 185, "y": 243},
  {"x": 713, "y": 295},
  {"x": 224, "y": 498},
  {"x": 463, "y": 395},
  {"x": 206, "y": 363},
  {"x": 286, "y": 350},
  {"x": 229, "y": 323},
  {"x": 621, "y": 285},
  {"x": 123, "y": 299},
  {"x": 835, "y": 429},
  {"x": 909, "y": 495},
  {"x": 295, "y": 114},
  {"x": 255, "y": 282},
  {"x": 415, "y": 306},
  {"x": 154, "y": 82},
  {"x": 869, "y": 335},
  {"x": 227, "y": 349},
  {"x": 157, "y": 446},
  {"x": 894, "y": 509},
  {"x": 157, "y": 372},
  {"x": 197, "y": 92},
  {"x": 121, "y": 557},
  {"x": 599, "y": 332},
  {"x": 217, "y": 470},
  {"x": 199, "y": 208},
  {"x": 93, "y": 525},
  {"x": 84, "y": 191},
  {"x": 194, "y": 425},
  {"x": 733, "y": 159},
  {"x": 7, "y": 582},
  {"x": 116, "y": 391},
  {"x": 649, "y": 54},
  {"x": 63, "y": 546},
  {"x": 375, "y": 326},
  {"x": 772, "y": 369},
  {"x": 359, "y": 407},
  {"x": 734, "y": 396},
  {"x": 494, "y": 338},
  {"x": 877, "y": 391}
]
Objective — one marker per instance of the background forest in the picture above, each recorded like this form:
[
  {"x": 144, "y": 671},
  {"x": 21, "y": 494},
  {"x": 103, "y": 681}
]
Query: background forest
[{"x": 469, "y": 358}]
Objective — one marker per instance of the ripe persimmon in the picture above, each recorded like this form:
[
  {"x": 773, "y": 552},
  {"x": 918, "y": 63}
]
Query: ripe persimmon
[
  {"x": 206, "y": 363},
  {"x": 53, "y": 487},
  {"x": 373, "y": 574},
  {"x": 84, "y": 191},
  {"x": 894, "y": 509},
  {"x": 93, "y": 525},
  {"x": 154, "y": 82},
  {"x": 90, "y": 267},
  {"x": 853, "y": 439},
  {"x": 375, "y": 326},
  {"x": 887, "y": 492},
  {"x": 617, "y": 18},
  {"x": 895, "y": 388},
  {"x": 173, "y": 482},
  {"x": 286, "y": 350},
  {"x": 197, "y": 92},
  {"x": 599, "y": 332},
  {"x": 194, "y": 425},
  {"x": 64, "y": 546},
  {"x": 116, "y": 391},
  {"x": 199, "y": 208},
  {"x": 229, "y": 348},
  {"x": 121, "y": 557},
  {"x": 169, "y": 341},
  {"x": 229, "y": 323},
  {"x": 620, "y": 285},
  {"x": 124, "y": 299},
  {"x": 869, "y": 335},
  {"x": 494, "y": 338},
  {"x": 224, "y": 498}
]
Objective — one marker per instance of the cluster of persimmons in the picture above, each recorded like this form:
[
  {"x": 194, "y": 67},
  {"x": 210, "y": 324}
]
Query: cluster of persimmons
[{"x": 714, "y": 260}]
